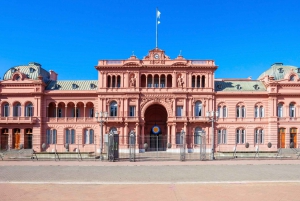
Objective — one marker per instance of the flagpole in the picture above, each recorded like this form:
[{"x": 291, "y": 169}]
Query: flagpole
[{"x": 156, "y": 28}]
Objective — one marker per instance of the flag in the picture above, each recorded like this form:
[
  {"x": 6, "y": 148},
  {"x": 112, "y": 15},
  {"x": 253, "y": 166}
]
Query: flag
[{"x": 158, "y": 16}]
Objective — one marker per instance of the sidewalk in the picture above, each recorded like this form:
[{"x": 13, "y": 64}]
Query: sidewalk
[{"x": 151, "y": 163}]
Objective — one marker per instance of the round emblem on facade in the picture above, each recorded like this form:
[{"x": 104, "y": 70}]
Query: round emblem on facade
[
  {"x": 155, "y": 130},
  {"x": 156, "y": 56}
]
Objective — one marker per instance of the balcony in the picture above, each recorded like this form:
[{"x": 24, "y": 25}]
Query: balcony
[
  {"x": 18, "y": 120},
  {"x": 70, "y": 119},
  {"x": 132, "y": 119},
  {"x": 199, "y": 119}
]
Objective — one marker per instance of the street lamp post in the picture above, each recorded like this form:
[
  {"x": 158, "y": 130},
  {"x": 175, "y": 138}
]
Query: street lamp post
[
  {"x": 213, "y": 117},
  {"x": 101, "y": 118}
]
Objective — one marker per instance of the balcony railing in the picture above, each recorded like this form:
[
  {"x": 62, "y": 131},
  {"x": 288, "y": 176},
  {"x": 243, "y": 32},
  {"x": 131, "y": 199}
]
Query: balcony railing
[
  {"x": 71, "y": 119},
  {"x": 18, "y": 120},
  {"x": 133, "y": 119}
]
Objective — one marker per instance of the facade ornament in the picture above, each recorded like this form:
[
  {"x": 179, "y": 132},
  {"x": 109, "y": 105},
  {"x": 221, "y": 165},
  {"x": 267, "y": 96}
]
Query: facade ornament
[
  {"x": 132, "y": 81},
  {"x": 180, "y": 81}
]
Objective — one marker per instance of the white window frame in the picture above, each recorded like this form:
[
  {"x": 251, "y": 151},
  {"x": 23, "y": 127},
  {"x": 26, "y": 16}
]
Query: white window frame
[
  {"x": 259, "y": 132},
  {"x": 6, "y": 110},
  {"x": 113, "y": 109},
  {"x": 280, "y": 110},
  {"x": 29, "y": 110},
  {"x": 224, "y": 110},
  {"x": 51, "y": 136},
  {"x": 88, "y": 136},
  {"x": 132, "y": 111},
  {"x": 240, "y": 137},
  {"x": 70, "y": 135},
  {"x": 197, "y": 137},
  {"x": 179, "y": 111},
  {"x": 222, "y": 136},
  {"x": 261, "y": 112},
  {"x": 198, "y": 109},
  {"x": 292, "y": 110}
]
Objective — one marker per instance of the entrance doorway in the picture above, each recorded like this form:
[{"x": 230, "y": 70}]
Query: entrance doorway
[
  {"x": 16, "y": 138},
  {"x": 4, "y": 139},
  {"x": 293, "y": 138},
  {"x": 281, "y": 138},
  {"x": 28, "y": 139},
  {"x": 156, "y": 117}
]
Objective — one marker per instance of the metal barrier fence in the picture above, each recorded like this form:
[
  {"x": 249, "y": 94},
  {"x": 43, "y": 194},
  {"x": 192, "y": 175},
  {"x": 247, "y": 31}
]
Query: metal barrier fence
[{"x": 137, "y": 148}]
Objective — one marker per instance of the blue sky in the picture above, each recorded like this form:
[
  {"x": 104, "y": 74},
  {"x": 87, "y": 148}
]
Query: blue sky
[{"x": 244, "y": 37}]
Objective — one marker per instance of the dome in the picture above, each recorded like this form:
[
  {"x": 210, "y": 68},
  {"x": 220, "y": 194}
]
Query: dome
[
  {"x": 278, "y": 71},
  {"x": 32, "y": 71}
]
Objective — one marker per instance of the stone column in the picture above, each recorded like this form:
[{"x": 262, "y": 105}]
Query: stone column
[
  {"x": 137, "y": 133},
  {"x": 173, "y": 135}
]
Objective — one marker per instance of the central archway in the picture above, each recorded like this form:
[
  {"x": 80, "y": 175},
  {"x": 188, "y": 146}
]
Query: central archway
[{"x": 156, "y": 115}]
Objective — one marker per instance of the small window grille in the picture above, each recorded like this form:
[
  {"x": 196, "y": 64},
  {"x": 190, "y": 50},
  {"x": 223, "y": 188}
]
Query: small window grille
[
  {"x": 298, "y": 70},
  {"x": 13, "y": 70},
  {"x": 256, "y": 87},
  {"x": 239, "y": 87},
  {"x": 280, "y": 70},
  {"x": 31, "y": 70}
]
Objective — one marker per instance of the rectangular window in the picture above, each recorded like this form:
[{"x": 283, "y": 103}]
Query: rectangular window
[
  {"x": 243, "y": 112},
  {"x": 219, "y": 136},
  {"x": 224, "y": 111},
  {"x": 59, "y": 112},
  {"x": 179, "y": 111},
  {"x": 243, "y": 137},
  {"x": 91, "y": 136},
  {"x": 224, "y": 137},
  {"x": 237, "y": 136},
  {"x": 86, "y": 136},
  {"x": 262, "y": 112},
  {"x": 91, "y": 114},
  {"x": 72, "y": 136},
  {"x": 237, "y": 112},
  {"x": 6, "y": 111},
  {"x": 132, "y": 111},
  {"x": 256, "y": 112},
  {"x": 67, "y": 136},
  {"x": 54, "y": 136},
  {"x": 178, "y": 138}
]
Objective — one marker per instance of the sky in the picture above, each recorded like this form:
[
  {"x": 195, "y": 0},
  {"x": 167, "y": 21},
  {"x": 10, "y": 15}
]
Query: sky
[{"x": 244, "y": 37}]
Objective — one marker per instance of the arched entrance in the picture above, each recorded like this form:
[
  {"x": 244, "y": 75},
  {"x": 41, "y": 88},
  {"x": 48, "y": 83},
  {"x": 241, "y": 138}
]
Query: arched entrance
[{"x": 156, "y": 117}]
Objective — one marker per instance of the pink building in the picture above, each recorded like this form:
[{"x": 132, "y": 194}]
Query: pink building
[{"x": 153, "y": 96}]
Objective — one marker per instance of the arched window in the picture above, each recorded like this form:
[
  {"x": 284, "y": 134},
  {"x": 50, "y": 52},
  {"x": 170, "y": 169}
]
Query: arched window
[
  {"x": 193, "y": 81},
  {"x": 156, "y": 81},
  {"x": 203, "y": 81},
  {"x": 113, "y": 109},
  {"x": 143, "y": 80},
  {"x": 149, "y": 81},
  {"x": 240, "y": 136},
  {"x": 162, "y": 81},
  {"x": 70, "y": 136},
  {"x": 259, "y": 136},
  {"x": 292, "y": 110},
  {"x": 6, "y": 110},
  {"x": 280, "y": 110},
  {"x": 114, "y": 130},
  {"x": 51, "y": 136},
  {"x": 292, "y": 78},
  {"x": 17, "y": 110},
  {"x": 198, "y": 81},
  {"x": 240, "y": 111},
  {"x": 198, "y": 109},
  {"x": 88, "y": 136},
  {"x": 198, "y": 135},
  {"x": 108, "y": 81},
  {"x": 29, "y": 110},
  {"x": 118, "y": 81},
  {"x": 222, "y": 136}
]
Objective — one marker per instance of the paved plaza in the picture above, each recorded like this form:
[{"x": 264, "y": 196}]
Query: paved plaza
[{"x": 172, "y": 180}]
